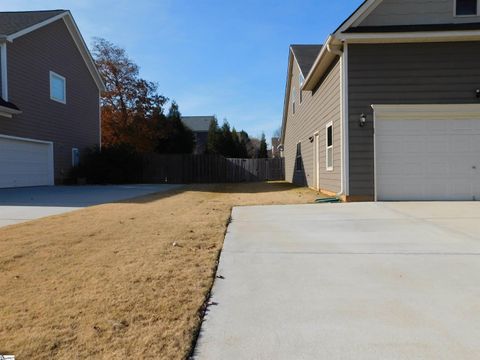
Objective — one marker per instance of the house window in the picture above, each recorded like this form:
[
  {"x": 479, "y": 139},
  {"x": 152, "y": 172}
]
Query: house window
[
  {"x": 58, "y": 88},
  {"x": 329, "y": 146},
  {"x": 301, "y": 79},
  {"x": 298, "y": 158},
  {"x": 466, "y": 7},
  {"x": 294, "y": 96},
  {"x": 75, "y": 157}
]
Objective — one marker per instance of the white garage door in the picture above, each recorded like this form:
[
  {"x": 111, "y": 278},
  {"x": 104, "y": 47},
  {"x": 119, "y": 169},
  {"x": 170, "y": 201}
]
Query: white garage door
[
  {"x": 427, "y": 152},
  {"x": 25, "y": 162}
]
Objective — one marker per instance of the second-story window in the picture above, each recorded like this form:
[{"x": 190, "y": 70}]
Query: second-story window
[
  {"x": 466, "y": 7},
  {"x": 58, "y": 88}
]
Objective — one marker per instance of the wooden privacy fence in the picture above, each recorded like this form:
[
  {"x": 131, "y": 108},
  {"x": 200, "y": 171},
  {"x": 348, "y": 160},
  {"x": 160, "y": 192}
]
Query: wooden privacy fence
[{"x": 184, "y": 169}]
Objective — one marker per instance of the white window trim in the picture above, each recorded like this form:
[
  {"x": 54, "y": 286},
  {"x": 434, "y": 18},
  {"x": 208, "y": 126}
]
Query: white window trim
[
  {"x": 298, "y": 156},
  {"x": 328, "y": 168},
  {"x": 465, "y": 16},
  {"x": 54, "y": 74}
]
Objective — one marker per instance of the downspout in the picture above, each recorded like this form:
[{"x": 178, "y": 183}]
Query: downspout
[{"x": 337, "y": 50}]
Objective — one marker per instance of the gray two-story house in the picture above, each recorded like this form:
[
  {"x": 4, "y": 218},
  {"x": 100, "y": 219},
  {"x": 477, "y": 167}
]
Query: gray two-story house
[
  {"x": 49, "y": 106},
  {"x": 388, "y": 108},
  {"x": 199, "y": 126}
]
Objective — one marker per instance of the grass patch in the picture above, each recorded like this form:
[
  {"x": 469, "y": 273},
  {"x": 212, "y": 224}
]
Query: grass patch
[{"x": 107, "y": 282}]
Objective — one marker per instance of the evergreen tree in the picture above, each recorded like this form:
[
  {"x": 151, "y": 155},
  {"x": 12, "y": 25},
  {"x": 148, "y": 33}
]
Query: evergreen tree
[
  {"x": 236, "y": 143},
  {"x": 213, "y": 138},
  {"x": 227, "y": 143},
  {"x": 175, "y": 137},
  {"x": 262, "y": 152}
]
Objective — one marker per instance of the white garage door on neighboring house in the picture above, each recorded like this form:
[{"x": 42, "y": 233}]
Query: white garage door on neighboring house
[
  {"x": 25, "y": 162},
  {"x": 427, "y": 152}
]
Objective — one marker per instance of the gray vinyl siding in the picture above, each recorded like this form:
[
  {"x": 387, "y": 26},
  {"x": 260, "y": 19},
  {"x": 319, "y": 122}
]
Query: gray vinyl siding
[
  {"x": 316, "y": 110},
  {"x": 415, "y": 12},
  {"x": 71, "y": 125},
  {"x": 423, "y": 73}
]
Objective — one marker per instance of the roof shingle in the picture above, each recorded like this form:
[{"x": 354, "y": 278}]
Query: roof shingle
[
  {"x": 15, "y": 21},
  {"x": 306, "y": 56}
]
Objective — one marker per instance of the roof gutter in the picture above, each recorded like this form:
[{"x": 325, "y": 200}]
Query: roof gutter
[{"x": 329, "y": 52}]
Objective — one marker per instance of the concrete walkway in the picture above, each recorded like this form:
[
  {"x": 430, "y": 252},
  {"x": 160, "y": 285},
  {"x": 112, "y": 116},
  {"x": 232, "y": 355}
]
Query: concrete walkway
[
  {"x": 23, "y": 204},
  {"x": 347, "y": 281}
]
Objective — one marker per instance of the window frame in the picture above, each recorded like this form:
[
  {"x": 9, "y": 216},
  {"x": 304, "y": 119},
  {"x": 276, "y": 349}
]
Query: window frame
[
  {"x": 52, "y": 97},
  {"x": 298, "y": 158},
  {"x": 468, "y": 15},
  {"x": 327, "y": 147}
]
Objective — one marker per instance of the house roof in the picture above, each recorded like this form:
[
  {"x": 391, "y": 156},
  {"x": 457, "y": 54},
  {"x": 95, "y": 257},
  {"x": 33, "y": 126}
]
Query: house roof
[
  {"x": 16, "y": 24},
  {"x": 7, "y": 104},
  {"x": 12, "y": 22},
  {"x": 357, "y": 10},
  {"x": 306, "y": 56},
  {"x": 198, "y": 123}
]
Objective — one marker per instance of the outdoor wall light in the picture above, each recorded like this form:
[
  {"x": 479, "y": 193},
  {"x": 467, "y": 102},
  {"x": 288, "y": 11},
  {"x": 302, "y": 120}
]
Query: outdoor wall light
[
  {"x": 478, "y": 93},
  {"x": 363, "y": 120},
  {"x": 311, "y": 139}
]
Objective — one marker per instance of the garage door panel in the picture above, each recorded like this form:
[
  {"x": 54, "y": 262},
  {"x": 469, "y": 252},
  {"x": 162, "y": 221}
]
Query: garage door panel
[
  {"x": 427, "y": 158},
  {"x": 25, "y": 163}
]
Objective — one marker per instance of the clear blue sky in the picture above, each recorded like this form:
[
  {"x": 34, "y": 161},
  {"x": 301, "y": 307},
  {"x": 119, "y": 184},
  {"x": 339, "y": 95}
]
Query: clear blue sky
[{"x": 222, "y": 57}]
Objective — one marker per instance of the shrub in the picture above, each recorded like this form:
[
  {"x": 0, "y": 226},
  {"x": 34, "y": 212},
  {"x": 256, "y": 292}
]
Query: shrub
[{"x": 116, "y": 164}]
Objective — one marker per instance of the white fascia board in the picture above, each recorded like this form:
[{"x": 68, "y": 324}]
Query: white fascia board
[
  {"x": 318, "y": 60},
  {"x": 286, "y": 101},
  {"x": 420, "y": 36},
  {"x": 359, "y": 15},
  {"x": 83, "y": 48},
  {"x": 35, "y": 27},
  {"x": 77, "y": 37}
]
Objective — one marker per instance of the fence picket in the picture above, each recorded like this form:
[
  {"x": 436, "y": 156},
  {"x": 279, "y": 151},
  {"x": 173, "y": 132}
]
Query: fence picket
[{"x": 184, "y": 169}]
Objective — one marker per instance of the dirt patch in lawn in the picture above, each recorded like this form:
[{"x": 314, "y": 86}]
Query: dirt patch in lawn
[{"x": 107, "y": 282}]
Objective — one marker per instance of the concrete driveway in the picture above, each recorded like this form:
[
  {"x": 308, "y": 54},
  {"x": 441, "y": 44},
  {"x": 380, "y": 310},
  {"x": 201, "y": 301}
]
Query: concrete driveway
[
  {"x": 347, "y": 281},
  {"x": 23, "y": 204}
]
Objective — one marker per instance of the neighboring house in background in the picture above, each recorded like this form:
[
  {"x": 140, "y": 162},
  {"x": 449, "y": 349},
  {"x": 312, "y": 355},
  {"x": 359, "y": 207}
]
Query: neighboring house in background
[
  {"x": 275, "y": 147},
  {"x": 50, "y": 88},
  {"x": 409, "y": 70},
  {"x": 199, "y": 125}
]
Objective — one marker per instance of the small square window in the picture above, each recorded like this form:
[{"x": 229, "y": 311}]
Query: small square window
[
  {"x": 466, "y": 7},
  {"x": 58, "y": 88}
]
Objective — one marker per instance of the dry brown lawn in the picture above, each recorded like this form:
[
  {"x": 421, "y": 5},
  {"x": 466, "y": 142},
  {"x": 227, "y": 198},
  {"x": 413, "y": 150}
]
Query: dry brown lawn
[{"x": 106, "y": 282}]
